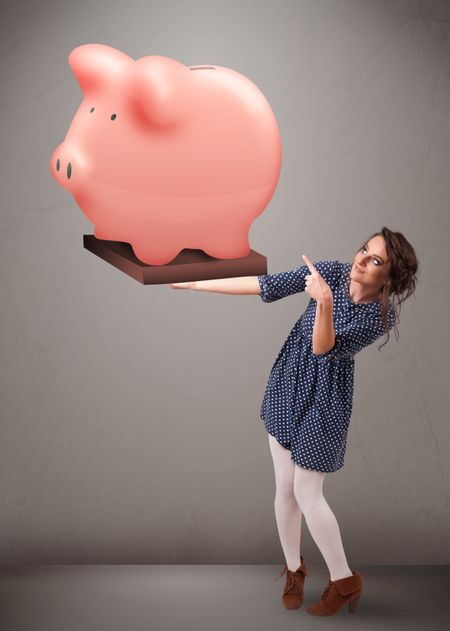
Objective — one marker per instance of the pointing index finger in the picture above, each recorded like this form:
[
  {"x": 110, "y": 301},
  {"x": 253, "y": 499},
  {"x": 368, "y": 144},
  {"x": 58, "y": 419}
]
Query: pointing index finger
[{"x": 309, "y": 263}]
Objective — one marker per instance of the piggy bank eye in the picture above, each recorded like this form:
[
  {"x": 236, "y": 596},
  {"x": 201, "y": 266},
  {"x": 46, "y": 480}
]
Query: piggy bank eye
[
  {"x": 113, "y": 117},
  {"x": 91, "y": 110}
]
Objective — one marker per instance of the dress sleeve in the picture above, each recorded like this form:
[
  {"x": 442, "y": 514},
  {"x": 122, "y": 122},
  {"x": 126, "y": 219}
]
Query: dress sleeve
[
  {"x": 276, "y": 286},
  {"x": 353, "y": 338}
]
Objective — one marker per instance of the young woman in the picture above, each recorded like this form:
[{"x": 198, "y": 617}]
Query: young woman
[{"x": 307, "y": 403}]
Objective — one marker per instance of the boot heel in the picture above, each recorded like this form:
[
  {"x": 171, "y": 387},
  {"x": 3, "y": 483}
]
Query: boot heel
[{"x": 352, "y": 604}]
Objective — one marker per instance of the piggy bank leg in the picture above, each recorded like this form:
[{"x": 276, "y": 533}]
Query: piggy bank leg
[
  {"x": 152, "y": 251},
  {"x": 229, "y": 243},
  {"x": 151, "y": 254}
]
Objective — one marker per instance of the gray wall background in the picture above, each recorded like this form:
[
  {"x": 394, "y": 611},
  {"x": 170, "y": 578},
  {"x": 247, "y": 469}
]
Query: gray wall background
[{"x": 130, "y": 429}]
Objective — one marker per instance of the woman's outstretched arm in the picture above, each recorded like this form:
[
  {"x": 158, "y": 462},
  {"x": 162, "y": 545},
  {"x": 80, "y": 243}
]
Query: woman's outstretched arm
[{"x": 240, "y": 285}]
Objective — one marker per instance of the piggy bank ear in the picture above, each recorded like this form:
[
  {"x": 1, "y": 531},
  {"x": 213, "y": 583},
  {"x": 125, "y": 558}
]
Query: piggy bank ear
[
  {"x": 96, "y": 65},
  {"x": 159, "y": 90}
]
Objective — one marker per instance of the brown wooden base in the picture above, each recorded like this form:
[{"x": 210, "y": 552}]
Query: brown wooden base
[{"x": 188, "y": 265}]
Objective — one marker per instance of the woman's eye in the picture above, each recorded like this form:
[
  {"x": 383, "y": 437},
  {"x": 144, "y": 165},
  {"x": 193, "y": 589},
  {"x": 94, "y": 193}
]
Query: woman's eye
[{"x": 376, "y": 261}]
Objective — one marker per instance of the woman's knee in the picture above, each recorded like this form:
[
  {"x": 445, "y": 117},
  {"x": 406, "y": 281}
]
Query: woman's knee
[{"x": 284, "y": 487}]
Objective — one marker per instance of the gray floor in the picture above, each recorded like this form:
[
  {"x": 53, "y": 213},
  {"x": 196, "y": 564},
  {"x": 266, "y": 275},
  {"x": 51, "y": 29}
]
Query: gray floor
[{"x": 222, "y": 597}]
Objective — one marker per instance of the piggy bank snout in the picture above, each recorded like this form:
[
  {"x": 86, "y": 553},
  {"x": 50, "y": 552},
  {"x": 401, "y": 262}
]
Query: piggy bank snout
[{"x": 62, "y": 165}]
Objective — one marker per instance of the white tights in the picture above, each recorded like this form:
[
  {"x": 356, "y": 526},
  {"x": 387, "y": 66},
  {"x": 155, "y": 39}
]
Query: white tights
[{"x": 298, "y": 487}]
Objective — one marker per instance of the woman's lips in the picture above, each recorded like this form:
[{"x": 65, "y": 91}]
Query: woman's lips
[{"x": 359, "y": 269}]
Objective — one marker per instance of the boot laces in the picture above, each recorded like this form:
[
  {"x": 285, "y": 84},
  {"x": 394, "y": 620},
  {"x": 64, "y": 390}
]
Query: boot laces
[
  {"x": 295, "y": 581},
  {"x": 326, "y": 591},
  {"x": 294, "y": 577},
  {"x": 280, "y": 575}
]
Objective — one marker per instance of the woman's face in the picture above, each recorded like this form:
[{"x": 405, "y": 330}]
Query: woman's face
[{"x": 371, "y": 264}]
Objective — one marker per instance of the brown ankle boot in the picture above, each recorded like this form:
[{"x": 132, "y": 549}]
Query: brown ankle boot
[
  {"x": 337, "y": 593},
  {"x": 293, "y": 589}
]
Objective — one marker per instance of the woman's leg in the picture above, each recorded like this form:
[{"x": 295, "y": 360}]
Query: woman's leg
[
  {"x": 320, "y": 519},
  {"x": 287, "y": 512}
]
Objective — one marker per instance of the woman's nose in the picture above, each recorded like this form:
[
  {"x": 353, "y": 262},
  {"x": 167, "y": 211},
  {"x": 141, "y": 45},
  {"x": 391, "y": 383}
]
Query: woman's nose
[{"x": 362, "y": 262}]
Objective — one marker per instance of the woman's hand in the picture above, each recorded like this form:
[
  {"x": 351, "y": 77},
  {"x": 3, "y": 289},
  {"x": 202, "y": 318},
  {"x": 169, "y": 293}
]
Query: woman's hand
[
  {"x": 187, "y": 285},
  {"x": 238, "y": 285},
  {"x": 316, "y": 286}
]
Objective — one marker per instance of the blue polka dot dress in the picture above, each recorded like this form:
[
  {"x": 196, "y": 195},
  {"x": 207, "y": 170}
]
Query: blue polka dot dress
[{"x": 308, "y": 399}]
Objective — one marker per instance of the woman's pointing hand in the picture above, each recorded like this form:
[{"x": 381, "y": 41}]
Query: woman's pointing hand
[{"x": 316, "y": 286}]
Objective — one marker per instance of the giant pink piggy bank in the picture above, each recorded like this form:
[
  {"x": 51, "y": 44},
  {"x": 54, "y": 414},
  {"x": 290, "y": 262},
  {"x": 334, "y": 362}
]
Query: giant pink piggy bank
[{"x": 166, "y": 156}]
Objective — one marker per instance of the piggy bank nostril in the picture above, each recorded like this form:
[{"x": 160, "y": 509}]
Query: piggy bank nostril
[
  {"x": 69, "y": 171},
  {"x": 58, "y": 164}
]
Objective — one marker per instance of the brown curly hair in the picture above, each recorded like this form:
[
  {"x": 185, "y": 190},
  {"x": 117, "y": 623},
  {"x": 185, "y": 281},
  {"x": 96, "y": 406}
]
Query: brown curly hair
[{"x": 401, "y": 283}]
